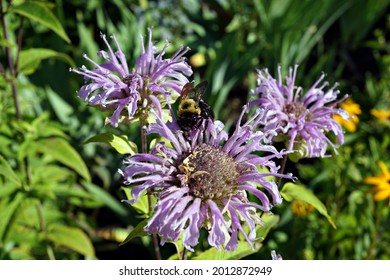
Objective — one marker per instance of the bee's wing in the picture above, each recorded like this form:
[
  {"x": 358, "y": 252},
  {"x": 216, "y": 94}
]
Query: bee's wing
[
  {"x": 186, "y": 89},
  {"x": 202, "y": 87},
  {"x": 197, "y": 92}
]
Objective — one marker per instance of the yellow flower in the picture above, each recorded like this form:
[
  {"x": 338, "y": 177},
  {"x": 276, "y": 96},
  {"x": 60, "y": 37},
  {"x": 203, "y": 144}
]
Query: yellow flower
[
  {"x": 353, "y": 110},
  {"x": 198, "y": 60},
  {"x": 381, "y": 182},
  {"x": 382, "y": 115},
  {"x": 301, "y": 208}
]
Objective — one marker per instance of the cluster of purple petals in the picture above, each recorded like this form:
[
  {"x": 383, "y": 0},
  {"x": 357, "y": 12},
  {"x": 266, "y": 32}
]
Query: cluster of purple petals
[
  {"x": 306, "y": 116},
  {"x": 113, "y": 87}
]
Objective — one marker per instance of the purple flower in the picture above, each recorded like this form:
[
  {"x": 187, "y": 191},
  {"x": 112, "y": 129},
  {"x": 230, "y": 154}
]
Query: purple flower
[
  {"x": 125, "y": 92},
  {"x": 304, "y": 118},
  {"x": 203, "y": 181},
  {"x": 276, "y": 257}
]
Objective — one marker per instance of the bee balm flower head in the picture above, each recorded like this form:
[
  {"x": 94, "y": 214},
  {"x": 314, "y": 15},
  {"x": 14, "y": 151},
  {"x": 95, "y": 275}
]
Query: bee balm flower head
[
  {"x": 203, "y": 181},
  {"x": 125, "y": 92},
  {"x": 304, "y": 118}
]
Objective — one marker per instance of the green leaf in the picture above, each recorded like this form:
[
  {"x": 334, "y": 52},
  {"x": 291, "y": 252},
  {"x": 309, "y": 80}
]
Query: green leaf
[
  {"x": 354, "y": 173},
  {"x": 30, "y": 59},
  {"x": 243, "y": 250},
  {"x": 142, "y": 204},
  {"x": 179, "y": 248},
  {"x": 8, "y": 190},
  {"x": 21, "y": 253},
  {"x": 62, "y": 151},
  {"x": 6, "y": 170},
  {"x": 138, "y": 231},
  {"x": 8, "y": 211},
  {"x": 87, "y": 41},
  {"x": 7, "y": 44},
  {"x": 119, "y": 142},
  {"x": 62, "y": 109},
  {"x": 265, "y": 170},
  {"x": 292, "y": 191},
  {"x": 39, "y": 12},
  {"x": 84, "y": 203},
  {"x": 103, "y": 196},
  {"x": 270, "y": 221},
  {"x": 44, "y": 128},
  {"x": 73, "y": 191},
  {"x": 72, "y": 238}
]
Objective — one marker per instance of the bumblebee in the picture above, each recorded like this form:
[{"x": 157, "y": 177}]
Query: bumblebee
[{"x": 192, "y": 109}]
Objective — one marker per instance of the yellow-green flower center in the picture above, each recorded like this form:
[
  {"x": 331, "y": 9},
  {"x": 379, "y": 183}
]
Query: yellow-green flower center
[{"x": 209, "y": 173}]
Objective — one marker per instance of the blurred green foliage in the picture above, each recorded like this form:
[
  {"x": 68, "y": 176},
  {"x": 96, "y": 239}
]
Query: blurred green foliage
[{"x": 60, "y": 198}]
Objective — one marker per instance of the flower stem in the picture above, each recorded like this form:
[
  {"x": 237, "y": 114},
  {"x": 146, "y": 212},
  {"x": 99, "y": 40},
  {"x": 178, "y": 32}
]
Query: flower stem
[
  {"x": 13, "y": 70},
  {"x": 144, "y": 147},
  {"x": 282, "y": 166},
  {"x": 184, "y": 257},
  {"x": 11, "y": 65}
]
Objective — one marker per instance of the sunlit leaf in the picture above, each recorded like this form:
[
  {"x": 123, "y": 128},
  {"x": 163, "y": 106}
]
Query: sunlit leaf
[
  {"x": 62, "y": 109},
  {"x": 5, "y": 43},
  {"x": 49, "y": 177},
  {"x": 39, "y": 12},
  {"x": 21, "y": 253},
  {"x": 270, "y": 221},
  {"x": 138, "y": 231},
  {"x": 8, "y": 211},
  {"x": 243, "y": 250},
  {"x": 119, "y": 142},
  {"x": 30, "y": 59},
  {"x": 7, "y": 171},
  {"x": 7, "y": 190},
  {"x": 142, "y": 204},
  {"x": 72, "y": 238},
  {"x": 292, "y": 191},
  {"x": 62, "y": 151},
  {"x": 45, "y": 128}
]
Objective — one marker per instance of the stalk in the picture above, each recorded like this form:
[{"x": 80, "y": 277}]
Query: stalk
[
  {"x": 184, "y": 257},
  {"x": 13, "y": 70},
  {"x": 11, "y": 65},
  {"x": 282, "y": 167},
  {"x": 144, "y": 147}
]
